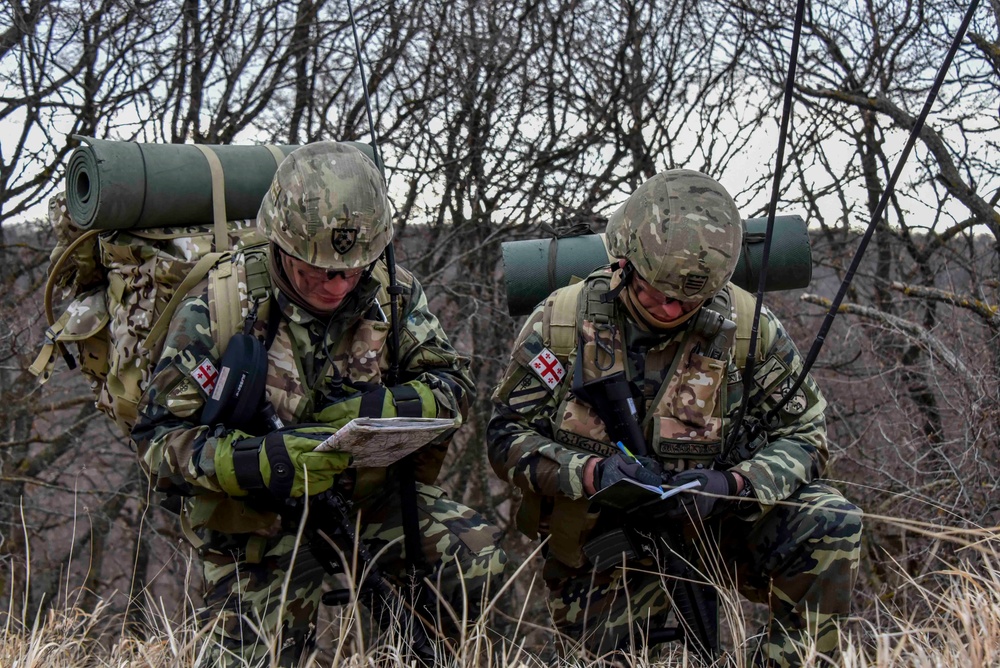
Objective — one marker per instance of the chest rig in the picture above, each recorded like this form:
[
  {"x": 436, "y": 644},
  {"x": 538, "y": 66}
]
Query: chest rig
[{"x": 678, "y": 383}]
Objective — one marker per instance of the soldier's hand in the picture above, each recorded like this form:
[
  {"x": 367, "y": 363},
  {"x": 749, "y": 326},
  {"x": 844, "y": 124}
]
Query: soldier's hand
[
  {"x": 616, "y": 467},
  {"x": 282, "y": 463},
  {"x": 705, "y": 501},
  {"x": 413, "y": 399}
]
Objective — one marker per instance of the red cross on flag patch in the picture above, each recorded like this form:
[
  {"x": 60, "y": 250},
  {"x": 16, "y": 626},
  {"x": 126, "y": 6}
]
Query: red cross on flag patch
[
  {"x": 205, "y": 374},
  {"x": 547, "y": 367}
]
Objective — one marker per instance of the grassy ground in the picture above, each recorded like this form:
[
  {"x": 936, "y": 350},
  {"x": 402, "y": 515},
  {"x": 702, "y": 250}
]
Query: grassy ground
[
  {"x": 947, "y": 616},
  {"x": 954, "y": 620}
]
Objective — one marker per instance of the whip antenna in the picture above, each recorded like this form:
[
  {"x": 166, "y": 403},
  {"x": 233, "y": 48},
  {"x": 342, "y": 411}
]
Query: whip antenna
[{"x": 364, "y": 90}]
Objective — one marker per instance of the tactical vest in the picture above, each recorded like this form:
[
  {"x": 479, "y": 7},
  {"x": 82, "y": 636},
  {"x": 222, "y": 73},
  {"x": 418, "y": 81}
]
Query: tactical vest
[
  {"x": 360, "y": 354},
  {"x": 684, "y": 421}
]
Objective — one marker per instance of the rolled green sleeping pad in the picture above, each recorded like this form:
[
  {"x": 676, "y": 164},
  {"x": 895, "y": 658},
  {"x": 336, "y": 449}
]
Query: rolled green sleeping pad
[
  {"x": 114, "y": 185},
  {"x": 533, "y": 268}
]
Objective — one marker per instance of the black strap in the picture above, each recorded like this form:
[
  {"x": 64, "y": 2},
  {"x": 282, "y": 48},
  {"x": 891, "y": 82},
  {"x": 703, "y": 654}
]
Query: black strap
[
  {"x": 246, "y": 464},
  {"x": 407, "y": 401},
  {"x": 282, "y": 470},
  {"x": 372, "y": 402}
]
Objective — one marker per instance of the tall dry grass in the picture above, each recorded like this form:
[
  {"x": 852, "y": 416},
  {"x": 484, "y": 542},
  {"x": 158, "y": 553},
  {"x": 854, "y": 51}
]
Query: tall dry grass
[{"x": 952, "y": 618}]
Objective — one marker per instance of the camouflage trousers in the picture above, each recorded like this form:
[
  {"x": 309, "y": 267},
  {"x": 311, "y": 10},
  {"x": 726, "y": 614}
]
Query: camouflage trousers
[
  {"x": 801, "y": 559},
  {"x": 251, "y": 606}
]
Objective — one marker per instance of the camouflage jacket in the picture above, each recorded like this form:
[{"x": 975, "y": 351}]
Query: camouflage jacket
[
  {"x": 540, "y": 436},
  {"x": 178, "y": 452}
]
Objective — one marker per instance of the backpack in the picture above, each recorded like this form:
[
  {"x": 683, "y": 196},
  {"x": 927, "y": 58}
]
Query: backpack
[{"x": 124, "y": 286}]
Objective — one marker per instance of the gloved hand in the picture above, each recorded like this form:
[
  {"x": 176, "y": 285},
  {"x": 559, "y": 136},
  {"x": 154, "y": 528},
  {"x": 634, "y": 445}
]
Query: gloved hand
[
  {"x": 280, "y": 462},
  {"x": 704, "y": 501},
  {"x": 413, "y": 399},
  {"x": 618, "y": 466}
]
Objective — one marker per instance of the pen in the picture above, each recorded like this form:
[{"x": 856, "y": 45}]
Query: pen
[{"x": 621, "y": 446}]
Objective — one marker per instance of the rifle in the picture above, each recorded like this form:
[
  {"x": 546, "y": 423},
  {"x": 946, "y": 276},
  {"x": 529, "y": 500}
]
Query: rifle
[
  {"x": 695, "y": 603},
  {"x": 329, "y": 530},
  {"x": 643, "y": 536}
]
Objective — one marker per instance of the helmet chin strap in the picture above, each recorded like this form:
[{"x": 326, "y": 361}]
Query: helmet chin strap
[{"x": 626, "y": 278}]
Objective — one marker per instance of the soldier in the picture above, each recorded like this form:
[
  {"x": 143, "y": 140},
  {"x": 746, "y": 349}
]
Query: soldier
[
  {"x": 665, "y": 315},
  {"x": 328, "y": 354}
]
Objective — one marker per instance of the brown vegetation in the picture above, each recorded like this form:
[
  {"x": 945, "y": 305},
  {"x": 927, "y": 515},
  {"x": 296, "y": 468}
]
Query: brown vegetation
[{"x": 496, "y": 118}]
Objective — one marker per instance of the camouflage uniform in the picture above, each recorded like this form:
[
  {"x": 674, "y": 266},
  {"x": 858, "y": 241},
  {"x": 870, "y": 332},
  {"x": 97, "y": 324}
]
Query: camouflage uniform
[
  {"x": 247, "y": 549},
  {"x": 795, "y": 545}
]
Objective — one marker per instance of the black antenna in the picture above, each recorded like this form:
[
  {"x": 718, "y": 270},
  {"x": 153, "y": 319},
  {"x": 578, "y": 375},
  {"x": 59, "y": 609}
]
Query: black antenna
[
  {"x": 779, "y": 168},
  {"x": 412, "y": 543},
  {"x": 883, "y": 202},
  {"x": 390, "y": 255},
  {"x": 364, "y": 89}
]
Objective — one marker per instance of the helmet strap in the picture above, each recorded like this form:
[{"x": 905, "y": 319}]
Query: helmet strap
[{"x": 627, "y": 272}]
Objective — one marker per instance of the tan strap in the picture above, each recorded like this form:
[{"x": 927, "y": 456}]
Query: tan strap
[
  {"x": 42, "y": 366},
  {"x": 559, "y": 320},
  {"x": 224, "y": 283},
  {"x": 197, "y": 273},
  {"x": 275, "y": 153},
  {"x": 188, "y": 531},
  {"x": 218, "y": 197},
  {"x": 744, "y": 304}
]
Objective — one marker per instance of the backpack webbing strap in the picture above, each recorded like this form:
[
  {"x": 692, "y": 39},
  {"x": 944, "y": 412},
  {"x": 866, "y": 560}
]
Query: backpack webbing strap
[
  {"x": 228, "y": 308},
  {"x": 197, "y": 273},
  {"x": 559, "y": 320},
  {"x": 218, "y": 197},
  {"x": 51, "y": 333},
  {"x": 744, "y": 304}
]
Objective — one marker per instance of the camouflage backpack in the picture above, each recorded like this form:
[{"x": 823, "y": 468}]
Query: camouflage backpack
[{"x": 124, "y": 287}]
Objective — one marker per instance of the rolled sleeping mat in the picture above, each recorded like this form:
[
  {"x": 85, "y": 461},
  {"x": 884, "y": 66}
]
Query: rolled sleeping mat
[
  {"x": 115, "y": 185},
  {"x": 533, "y": 268}
]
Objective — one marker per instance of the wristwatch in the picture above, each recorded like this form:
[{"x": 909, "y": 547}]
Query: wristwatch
[{"x": 747, "y": 491}]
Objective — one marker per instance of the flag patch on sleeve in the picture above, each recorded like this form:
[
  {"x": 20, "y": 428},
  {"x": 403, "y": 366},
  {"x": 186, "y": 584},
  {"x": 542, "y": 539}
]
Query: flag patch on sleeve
[
  {"x": 547, "y": 367},
  {"x": 206, "y": 375}
]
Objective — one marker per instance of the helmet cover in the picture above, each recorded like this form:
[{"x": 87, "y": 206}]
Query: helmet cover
[
  {"x": 682, "y": 233},
  {"x": 327, "y": 206}
]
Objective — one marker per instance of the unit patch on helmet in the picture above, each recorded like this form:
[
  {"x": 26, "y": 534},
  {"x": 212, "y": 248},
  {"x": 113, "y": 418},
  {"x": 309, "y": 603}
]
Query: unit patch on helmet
[
  {"x": 206, "y": 375},
  {"x": 547, "y": 367},
  {"x": 693, "y": 284},
  {"x": 344, "y": 238}
]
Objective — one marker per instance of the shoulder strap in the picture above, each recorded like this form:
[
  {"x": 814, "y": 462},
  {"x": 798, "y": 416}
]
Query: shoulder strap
[
  {"x": 567, "y": 307},
  {"x": 559, "y": 320},
  {"x": 743, "y": 305},
  {"x": 197, "y": 274}
]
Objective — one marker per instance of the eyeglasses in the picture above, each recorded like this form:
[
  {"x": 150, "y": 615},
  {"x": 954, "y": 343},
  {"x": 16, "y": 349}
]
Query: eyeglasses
[
  {"x": 312, "y": 274},
  {"x": 658, "y": 298},
  {"x": 641, "y": 285}
]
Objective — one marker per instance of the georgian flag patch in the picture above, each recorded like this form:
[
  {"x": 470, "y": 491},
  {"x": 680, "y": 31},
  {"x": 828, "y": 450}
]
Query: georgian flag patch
[
  {"x": 547, "y": 367},
  {"x": 206, "y": 375}
]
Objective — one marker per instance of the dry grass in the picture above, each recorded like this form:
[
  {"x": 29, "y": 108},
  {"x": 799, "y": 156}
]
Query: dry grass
[{"x": 953, "y": 620}]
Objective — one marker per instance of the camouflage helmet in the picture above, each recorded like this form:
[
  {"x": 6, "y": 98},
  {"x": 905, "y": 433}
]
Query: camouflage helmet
[
  {"x": 327, "y": 206},
  {"x": 681, "y": 231}
]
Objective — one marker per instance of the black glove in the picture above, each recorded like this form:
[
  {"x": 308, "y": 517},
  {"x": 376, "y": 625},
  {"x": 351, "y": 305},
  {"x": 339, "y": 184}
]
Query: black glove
[
  {"x": 704, "y": 501},
  {"x": 619, "y": 466}
]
